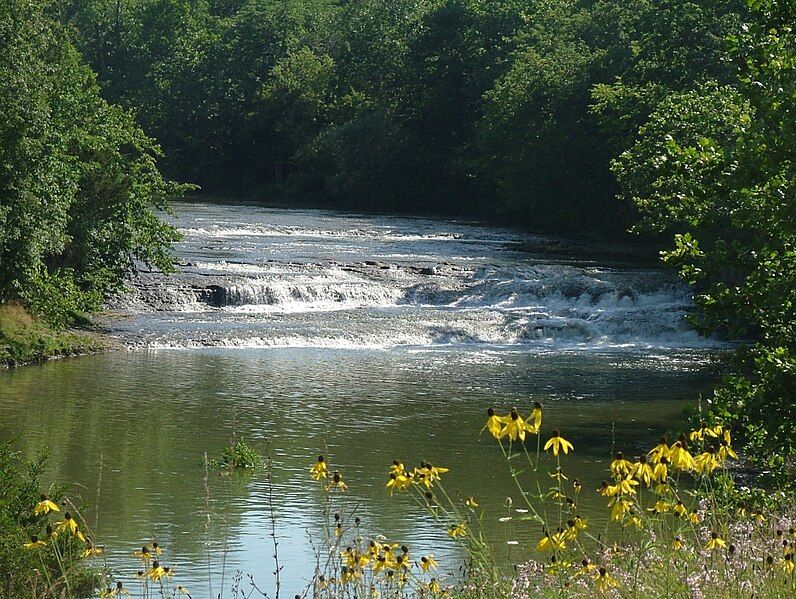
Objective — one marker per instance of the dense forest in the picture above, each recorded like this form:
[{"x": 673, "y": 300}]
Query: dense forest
[
  {"x": 674, "y": 117},
  {"x": 488, "y": 108}
]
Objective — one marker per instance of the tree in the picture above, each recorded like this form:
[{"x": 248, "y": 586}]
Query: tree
[
  {"x": 79, "y": 185},
  {"x": 715, "y": 168}
]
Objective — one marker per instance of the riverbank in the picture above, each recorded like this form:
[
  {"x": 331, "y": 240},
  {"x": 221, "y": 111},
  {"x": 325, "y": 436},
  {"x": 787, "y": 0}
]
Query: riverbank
[{"x": 25, "y": 339}]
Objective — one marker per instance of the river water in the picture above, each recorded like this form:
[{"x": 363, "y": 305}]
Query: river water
[{"x": 367, "y": 339}]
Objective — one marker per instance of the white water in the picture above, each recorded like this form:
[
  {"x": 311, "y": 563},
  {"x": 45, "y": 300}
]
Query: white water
[{"x": 261, "y": 278}]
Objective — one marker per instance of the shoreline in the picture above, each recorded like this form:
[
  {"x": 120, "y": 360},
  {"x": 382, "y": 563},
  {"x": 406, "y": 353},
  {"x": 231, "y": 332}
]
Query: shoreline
[{"x": 26, "y": 340}]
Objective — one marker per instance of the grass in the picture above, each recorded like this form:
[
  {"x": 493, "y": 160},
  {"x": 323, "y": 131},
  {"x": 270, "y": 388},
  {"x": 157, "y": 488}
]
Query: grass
[{"x": 25, "y": 339}]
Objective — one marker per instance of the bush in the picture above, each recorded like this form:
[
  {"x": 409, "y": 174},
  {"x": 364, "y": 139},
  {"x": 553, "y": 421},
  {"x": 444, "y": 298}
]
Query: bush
[
  {"x": 41, "y": 554},
  {"x": 237, "y": 456}
]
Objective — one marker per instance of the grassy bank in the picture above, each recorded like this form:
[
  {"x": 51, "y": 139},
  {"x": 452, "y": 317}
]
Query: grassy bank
[{"x": 25, "y": 339}]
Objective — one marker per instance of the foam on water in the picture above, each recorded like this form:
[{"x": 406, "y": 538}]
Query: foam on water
[{"x": 388, "y": 282}]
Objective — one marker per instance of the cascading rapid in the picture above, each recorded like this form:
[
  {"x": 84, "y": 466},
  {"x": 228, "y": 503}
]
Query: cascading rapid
[{"x": 256, "y": 277}]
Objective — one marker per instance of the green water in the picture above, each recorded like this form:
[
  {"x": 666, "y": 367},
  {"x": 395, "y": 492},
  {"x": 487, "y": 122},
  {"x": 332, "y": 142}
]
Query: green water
[{"x": 131, "y": 429}]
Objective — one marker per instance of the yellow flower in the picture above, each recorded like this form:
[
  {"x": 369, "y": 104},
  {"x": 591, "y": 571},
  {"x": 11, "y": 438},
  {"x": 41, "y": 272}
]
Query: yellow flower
[
  {"x": 398, "y": 482},
  {"x": 319, "y": 469},
  {"x": 661, "y": 471},
  {"x": 374, "y": 548},
  {"x": 643, "y": 472},
  {"x": 91, "y": 551},
  {"x": 182, "y": 590},
  {"x": 661, "y": 450},
  {"x": 397, "y": 467},
  {"x": 605, "y": 581},
  {"x": 586, "y": 567},
  {"x": 581, "y": 523},
  {"x": 680, "y": 458},
  {"x": 786, "y": 563},
  {"x": 35, "y": 543},
  {"x": 337, "y": 483},
  {"x": 427, "y": 563},
  {"x": 694, "y": 518},
  {"x": 156, "y": 572},
  {"x": 536, "y": 417},
  {"x": 661, "y": 506},
  {"x": 45, "y": 506},
  {"x": 380, "y": 564},
  {"x": 494, "y": 423},
  {"x": 705, "y": 463},
  {"x": 576, "y": 486},
  {"x": 725, "y": 451},
  {"x": 715, "y": 542},
  {"x": 574, "y": 526},
  {"x": 626, "y": 486},
  {"x": 155, "y": 548},
  {"x": 471, "y": 502},
  {"x": 515, "y": 427},
  {"x": 703, "y": 432},
  {"x": 633, "y": 520},
  {"x": 457, "y": 530},
  {"x": 662, "y": 489},
  {"x": 555, "y": 542},
  {"x": 607, "y": 490},
  {"x": 434, "y": 587},
  {"x": 69, "y": 525},
  {"x": 428, "y": 474},
  {"x": 349, "y": 574},
  {"x": 677, "y": 545},
  {"x": 680, "y": 509},
  {"x": 558, "y": 475},
  {"x": 119, "y": 591},
  {"x": 620, "y": 467},
  {"x": 354, "y": 558},
  {"x": 619, "y": 509},
  {"x": 144, "y": 554},
  {"x": 557, "y": 566},
  {"x": 558, "y": 443}
]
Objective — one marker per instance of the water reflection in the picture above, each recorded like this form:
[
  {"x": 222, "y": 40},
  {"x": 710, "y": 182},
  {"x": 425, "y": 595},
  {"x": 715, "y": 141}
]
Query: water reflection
[{"x": 136, "y": 426}]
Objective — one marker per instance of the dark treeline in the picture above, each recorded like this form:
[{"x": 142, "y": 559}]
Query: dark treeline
[{"x": 498, "y": 109}]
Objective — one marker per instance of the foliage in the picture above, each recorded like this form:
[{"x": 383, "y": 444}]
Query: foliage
[
  {"x": 78, "y": 178},
  {"x": 714, "y": 167},
  {"x": 59, "y": 567},
  {"x": 667, "y": 536},
  {"x": 237, "y": 456},
  {"x": 503, "y": 110}
]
